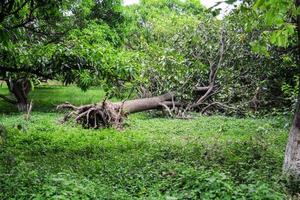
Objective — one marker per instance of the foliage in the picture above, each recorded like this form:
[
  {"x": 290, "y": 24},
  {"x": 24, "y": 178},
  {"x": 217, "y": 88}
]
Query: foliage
[
  {"x": 173, "y": 38},
  {"x": 81, "y": 48},
  {"x": 291, "y": 91},
  {"x": 160, "y": 46},
  {"x": 251, "y": 74},
  {"x": 3, "y": 134},
  {"x": 176, "y": 47},
  {"x": 148, "y": 49}
]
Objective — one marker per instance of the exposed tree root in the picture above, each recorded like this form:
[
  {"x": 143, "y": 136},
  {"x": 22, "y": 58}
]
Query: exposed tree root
[{"x": 101, "y": 115}]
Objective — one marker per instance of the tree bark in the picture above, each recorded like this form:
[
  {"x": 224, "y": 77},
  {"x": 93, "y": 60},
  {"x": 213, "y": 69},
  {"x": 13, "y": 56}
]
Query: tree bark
[
  {"x": 20, "y": 89},
  {"x": 292, "y": 154},
  {"x": 144, "y": 104}
]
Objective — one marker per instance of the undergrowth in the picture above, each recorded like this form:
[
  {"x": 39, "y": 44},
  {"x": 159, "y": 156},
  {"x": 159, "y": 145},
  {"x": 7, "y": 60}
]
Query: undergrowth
[{"x": 152, "y": 158}]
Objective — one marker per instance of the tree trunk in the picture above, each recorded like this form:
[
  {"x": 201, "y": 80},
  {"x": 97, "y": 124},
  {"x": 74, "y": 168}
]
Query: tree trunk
[
  {"x": 106, "y": 114},
  {"x": 144, "y": 104},
  {"x": 292, "y": 153},
  {"x": 20, "y": 88}
]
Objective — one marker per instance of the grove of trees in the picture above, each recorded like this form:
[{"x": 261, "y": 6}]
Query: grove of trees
[{"x": 171, "y": 55}]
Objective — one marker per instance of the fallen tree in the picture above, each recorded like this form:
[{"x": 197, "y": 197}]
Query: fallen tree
[{"x": 109, "y": 114}]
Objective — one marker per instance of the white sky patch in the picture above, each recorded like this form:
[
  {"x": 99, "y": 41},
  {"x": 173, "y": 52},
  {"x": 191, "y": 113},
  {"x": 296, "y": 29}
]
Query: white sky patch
[
  {"x": 225, "y": 8},
  {"x": 130, "y": 2}
]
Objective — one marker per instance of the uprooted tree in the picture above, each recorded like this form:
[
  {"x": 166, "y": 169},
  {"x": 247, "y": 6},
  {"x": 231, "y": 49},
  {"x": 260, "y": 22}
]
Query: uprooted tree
[
  {"x": 155, "y": 83},
  {"x": 109, "y": 114},
  {"x": 86, "y": 57}
]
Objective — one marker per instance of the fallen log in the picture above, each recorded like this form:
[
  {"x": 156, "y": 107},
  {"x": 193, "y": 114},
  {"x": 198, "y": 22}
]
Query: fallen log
[{"x": 109, "y": 114}]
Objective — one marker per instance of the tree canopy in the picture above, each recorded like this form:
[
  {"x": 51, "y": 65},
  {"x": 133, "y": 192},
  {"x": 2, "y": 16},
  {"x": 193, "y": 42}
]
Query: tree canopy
[{"x": 155, "y": 47}]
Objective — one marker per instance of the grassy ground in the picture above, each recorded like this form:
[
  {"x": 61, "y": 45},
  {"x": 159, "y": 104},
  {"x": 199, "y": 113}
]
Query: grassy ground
[
  {"x": 153, "y": 158},
  {"x": 46, "y": 98}
]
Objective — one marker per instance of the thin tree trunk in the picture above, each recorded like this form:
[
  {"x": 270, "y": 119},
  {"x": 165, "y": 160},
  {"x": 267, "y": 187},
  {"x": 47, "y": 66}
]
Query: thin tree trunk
[{"x": 292, "y": 153}]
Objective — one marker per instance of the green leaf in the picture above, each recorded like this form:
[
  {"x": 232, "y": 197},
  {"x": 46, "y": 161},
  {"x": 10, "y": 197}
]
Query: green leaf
[{"x": 258, "y": 4}]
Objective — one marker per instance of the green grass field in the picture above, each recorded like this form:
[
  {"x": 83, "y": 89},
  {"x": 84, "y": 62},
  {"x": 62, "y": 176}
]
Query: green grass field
[{"x": 152, "y": 158}]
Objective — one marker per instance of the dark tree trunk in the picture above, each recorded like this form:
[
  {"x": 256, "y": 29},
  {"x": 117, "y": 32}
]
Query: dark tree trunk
[
  {"x": 20, "y": 89},
  {"x": 292, "y": 153}
]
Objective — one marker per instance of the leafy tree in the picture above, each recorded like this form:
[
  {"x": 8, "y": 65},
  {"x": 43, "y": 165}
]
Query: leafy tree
[
  {"x": 250, "y": 78},
  {"x": 166, "y": 32},
  {"x": 284, "y": 17},
  {"x": 281, "y": 18},
  {"x": 72, "y": 41}
]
